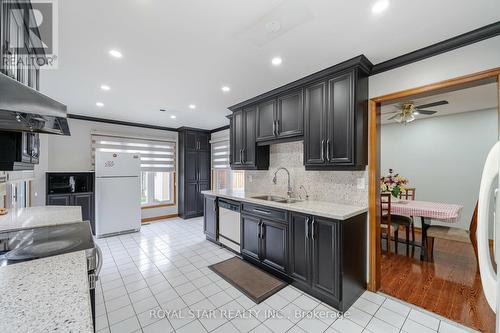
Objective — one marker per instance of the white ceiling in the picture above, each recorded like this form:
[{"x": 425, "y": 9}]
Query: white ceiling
[
  {"x": 181, "y": 52},
  {"x": 478, "y": 98}
]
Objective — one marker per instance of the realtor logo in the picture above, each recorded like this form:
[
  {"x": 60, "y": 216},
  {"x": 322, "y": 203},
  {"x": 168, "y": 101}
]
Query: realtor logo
[{"x": 31, "y": 36}]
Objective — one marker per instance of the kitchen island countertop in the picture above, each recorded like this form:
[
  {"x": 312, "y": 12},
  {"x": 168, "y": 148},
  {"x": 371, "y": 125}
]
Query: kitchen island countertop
[
  {"x": 319, "y": 208},
  {"x": 39, "y": 216},
  {"x": 46, "y": 295}
]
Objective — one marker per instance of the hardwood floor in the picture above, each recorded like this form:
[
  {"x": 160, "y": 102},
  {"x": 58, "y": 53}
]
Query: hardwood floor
[{"x": 449, "y": 285}]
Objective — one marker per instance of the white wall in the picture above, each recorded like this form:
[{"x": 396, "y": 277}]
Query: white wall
[
  {"x": 442, "y": 157},
  {"x": 466, "y": 60},
  {"x": 73, "y": 153}
]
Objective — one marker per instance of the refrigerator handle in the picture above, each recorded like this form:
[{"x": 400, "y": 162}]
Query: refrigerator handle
[{"x": 488, "y": 276}]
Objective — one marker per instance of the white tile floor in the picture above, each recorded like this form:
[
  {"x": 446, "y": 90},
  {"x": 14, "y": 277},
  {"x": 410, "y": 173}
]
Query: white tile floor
[{"x": 165, "y": 267}]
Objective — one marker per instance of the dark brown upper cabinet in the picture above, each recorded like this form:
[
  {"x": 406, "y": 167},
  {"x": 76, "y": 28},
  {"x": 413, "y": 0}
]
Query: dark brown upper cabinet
[
  {"x": 245, "y": 155},
  {"x": 328, "y": 110},
  {"x": 336, "y": 117},
  {"x": 280, "y": 118}
]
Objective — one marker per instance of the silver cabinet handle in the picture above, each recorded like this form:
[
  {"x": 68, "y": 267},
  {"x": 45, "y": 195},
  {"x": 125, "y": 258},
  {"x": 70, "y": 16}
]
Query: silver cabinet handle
[
  {"x": 100, "y": 259},
  {"x": 277, "y": 127},
  {"x": 323, "y": 150},
  {"x": 312, "y": 228},
  {"x": 307, "y": 227},
  {"x": 243, "y": 154},
  {"x": 274, "y": 128},
  {"x": 257, "y": 210},
  {"x": 328, "y": 150}
]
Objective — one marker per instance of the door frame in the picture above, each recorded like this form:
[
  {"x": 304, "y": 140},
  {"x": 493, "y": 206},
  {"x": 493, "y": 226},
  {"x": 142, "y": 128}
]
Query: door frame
[{"x": 375, "y": 255}]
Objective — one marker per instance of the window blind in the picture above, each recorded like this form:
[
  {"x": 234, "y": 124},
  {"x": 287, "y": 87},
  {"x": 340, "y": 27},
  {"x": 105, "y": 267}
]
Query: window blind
[
  {"x": 220, "y": 154},
  {"x": 156, "y": 155}
]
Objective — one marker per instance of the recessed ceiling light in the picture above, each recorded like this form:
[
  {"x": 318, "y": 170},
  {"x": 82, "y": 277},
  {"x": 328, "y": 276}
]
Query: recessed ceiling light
[
  {"x": 116, "y": 53},
  {"x": 276, "y": 61},
  {"x": 173, "y": 116},
  {"x": 225, "y": 89},
  {"x": 105, "y": 87},
  {"x": 380, "y": 6},
  {"x": 99, "y": 104},
  {"x": 192, "y": 106}
]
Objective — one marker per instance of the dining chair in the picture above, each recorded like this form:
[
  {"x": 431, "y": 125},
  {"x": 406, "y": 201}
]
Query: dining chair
[
  {"x": 453, "y": 234},
  {"x": 405, "y": 221},
  {"x": 386, "y": 219}
]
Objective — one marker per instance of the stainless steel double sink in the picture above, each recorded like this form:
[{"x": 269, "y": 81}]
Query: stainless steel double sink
[{"x": 275, "y": 198}]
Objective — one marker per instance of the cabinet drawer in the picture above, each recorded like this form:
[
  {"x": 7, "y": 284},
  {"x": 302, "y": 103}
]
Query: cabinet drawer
[{"x": 266, "y": 212}]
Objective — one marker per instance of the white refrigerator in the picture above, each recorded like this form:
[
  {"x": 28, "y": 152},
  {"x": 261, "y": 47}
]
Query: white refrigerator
[
  {"x": 489, "y": 201},
  {"x": 118, "y": 193}
]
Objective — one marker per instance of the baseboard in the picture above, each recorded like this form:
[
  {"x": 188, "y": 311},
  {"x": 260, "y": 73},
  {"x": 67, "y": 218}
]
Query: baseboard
[{"x": 156, "y": 218}]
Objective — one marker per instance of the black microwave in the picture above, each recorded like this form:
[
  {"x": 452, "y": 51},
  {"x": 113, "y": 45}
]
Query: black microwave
[{"x": 70, "y": 182}]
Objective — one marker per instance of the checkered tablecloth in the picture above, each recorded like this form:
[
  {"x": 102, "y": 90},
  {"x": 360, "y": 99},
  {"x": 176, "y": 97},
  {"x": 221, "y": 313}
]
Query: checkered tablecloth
[{"x": 433, "y": 210}]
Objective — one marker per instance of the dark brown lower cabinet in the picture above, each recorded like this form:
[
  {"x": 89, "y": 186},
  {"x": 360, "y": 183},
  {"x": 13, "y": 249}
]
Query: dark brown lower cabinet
[
  {"x": 210, "y": 218},
  {"x": 328, "y": 258},
  {"x": 84, "y": 200},
  {"x": 265, "y": 241}
]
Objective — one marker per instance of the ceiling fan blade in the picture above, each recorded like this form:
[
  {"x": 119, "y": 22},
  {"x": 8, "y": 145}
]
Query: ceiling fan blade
[
  {"x": 426, "y": 112},
  {"x": 432, "y": 104},
  {"x": 391, "y": 118},
  {"x": 391, "y": 112}
]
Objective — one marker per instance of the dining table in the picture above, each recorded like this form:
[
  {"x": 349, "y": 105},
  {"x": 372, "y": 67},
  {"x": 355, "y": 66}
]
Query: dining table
[{"x": 427, "y": 211}]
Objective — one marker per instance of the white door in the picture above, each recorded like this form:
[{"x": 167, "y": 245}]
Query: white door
[
  {"x": 489, "y": 184},
  {"x": 117, "y": 164},
  {"x": 118, "y": 205}
]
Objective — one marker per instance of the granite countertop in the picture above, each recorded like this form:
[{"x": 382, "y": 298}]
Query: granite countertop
[
  {"x": 319, "y": 208},
  {"x": 46, "y": 295},
  {"x": 39, "y": 216}
]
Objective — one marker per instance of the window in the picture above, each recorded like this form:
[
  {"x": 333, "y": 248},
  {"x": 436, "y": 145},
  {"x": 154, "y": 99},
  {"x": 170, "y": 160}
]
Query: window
[
  {"x": 157, "y": 165},
  {"x": 156, "y": 188},
  {"x": 223, "y": 177}
]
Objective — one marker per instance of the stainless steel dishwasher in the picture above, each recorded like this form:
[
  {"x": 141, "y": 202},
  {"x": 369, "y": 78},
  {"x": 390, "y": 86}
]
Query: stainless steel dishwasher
[{"x": 229, "y": 224}]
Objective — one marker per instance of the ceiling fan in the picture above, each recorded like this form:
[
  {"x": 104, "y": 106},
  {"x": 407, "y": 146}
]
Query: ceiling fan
[{"x": 406, "y": 111}]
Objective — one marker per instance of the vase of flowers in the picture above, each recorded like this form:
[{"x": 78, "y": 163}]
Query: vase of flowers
[{"x": 394, "y": 184}]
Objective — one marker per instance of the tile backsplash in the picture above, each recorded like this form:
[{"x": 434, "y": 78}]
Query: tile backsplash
[{"x": 333, "y": 186}]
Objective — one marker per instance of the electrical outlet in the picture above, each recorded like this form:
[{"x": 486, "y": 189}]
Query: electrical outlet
[{"x": 361, "y": 183}]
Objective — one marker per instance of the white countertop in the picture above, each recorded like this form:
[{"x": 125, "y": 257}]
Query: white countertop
[
  {"x": 318, "y": 208},
  {"x": 39, "y": 216},
  {"x": 46, "y": 295}
]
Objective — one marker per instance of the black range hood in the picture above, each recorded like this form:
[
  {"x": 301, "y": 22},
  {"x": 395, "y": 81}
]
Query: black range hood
[{"x": 25, "y": 109}]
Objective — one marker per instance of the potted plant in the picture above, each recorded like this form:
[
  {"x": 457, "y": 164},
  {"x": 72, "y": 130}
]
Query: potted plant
[{"x": 393, "y": 184}]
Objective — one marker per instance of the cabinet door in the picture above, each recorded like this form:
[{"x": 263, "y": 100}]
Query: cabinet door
[
  {"x": 191, "y": 198},
  {"x": 238, "y": 134},
  {"x": 314, "y": 124},
  {"x": 275, "y": 244},
  {"x": 202, "y": 186},
  {"x": 210, "y": 217},
  {"x": 191, "y": 166},
  {"x": 299, "y": 248},
  {"x": 191, "y": 141},
  {"x": 59, "y": 200},
  {"x": 250, "y": 236},
  {"x": 204, "y": 142},
  {"x": 203, "y": 166},
  {"x": 325, "y": 256},
  {"x": 266, "y": 116},
  {"x": 86, "y": 202},
  {"x": 340, "y": 118},
  {"x": 249, "y": 140},
  {"x": 290, "y": 115}
]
